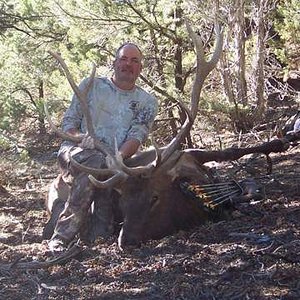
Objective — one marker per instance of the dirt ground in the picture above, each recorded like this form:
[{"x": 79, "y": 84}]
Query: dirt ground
[{"x": 255, "y": 255}]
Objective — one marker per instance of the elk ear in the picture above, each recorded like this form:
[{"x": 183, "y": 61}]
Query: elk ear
[{"x": 186, "y": 166}]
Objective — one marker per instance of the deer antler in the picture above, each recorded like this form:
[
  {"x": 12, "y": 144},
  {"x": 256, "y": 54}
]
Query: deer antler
[{"x": 62, "y": 134}]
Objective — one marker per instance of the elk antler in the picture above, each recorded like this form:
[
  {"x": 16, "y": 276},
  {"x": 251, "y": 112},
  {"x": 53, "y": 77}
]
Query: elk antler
[
  {"x": 203, "y": 68},
  {"x": 117, "y": 169}
]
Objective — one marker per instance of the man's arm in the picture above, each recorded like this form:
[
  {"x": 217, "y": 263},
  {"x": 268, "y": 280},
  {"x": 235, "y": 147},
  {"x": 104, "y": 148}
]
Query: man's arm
[
  {"x": 129, "y": 148},
  {"x": 73, "y": 116},
  {"x": 72, "y": 121},
  {"x": 142, "y": 123}
]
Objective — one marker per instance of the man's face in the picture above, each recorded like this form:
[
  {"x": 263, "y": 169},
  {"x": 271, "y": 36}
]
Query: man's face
[{"x": 128, "y": 64}]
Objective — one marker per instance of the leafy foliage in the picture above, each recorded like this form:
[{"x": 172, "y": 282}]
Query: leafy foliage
[
  {"x": 90, "y": 31},
  {"x": 287, "y": 24}
]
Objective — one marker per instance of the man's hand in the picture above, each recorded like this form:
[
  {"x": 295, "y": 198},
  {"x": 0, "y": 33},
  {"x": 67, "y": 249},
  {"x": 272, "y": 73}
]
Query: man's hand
[{"x": 87, "y": 142}]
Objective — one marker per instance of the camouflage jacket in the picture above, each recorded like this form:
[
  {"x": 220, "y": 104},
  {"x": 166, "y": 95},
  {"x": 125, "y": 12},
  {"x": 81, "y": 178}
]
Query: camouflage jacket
[{"x": 115, "y": 112}]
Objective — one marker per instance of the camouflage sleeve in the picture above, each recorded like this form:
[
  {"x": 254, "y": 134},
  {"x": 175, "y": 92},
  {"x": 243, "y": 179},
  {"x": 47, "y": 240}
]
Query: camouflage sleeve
[
  {"x": 143, "y": 120},
  {"x": 73, "y": 115}
]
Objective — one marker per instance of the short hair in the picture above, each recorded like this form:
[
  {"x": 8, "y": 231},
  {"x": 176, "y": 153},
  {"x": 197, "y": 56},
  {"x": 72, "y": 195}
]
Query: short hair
[{"x": 127, "y": 44}]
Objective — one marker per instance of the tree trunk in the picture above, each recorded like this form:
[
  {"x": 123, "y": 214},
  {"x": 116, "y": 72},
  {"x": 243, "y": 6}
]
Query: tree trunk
[
  {"x": 41, "y": 116},
  {"x": 241, "y": 84},
  {"x": 258, "y": 77}
]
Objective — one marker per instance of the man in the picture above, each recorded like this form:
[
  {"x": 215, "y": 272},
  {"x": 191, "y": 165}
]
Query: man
[{"x": 120, "y": 110}]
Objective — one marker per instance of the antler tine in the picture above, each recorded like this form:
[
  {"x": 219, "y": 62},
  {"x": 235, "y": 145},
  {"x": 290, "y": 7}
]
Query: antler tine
[
  {"x": 173, "y": 145},
  {"x": 184, "y": 108},
  {"x": 90, "y": 170},
  {"x": 135, "y": 171},
  {"x": 219, "y": 46},
  {"x": 145, "y": 170},
  {"x": 90, "y": 82},
  {"x": 158, "y": 158},
  {"x": 110, "y": 182},
  {"x": 76, "y": 139},
  {"x": 84, "y": 103}
]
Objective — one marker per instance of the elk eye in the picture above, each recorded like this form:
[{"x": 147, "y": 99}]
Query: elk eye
[{"x": 154, "y": 199}]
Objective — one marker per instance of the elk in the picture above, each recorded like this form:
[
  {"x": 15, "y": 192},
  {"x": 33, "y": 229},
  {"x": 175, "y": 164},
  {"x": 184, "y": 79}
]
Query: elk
[{"x": 151, "y": 199}]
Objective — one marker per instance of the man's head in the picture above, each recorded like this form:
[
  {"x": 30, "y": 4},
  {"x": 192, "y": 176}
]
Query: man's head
[{"x": 127, "y": 65}]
